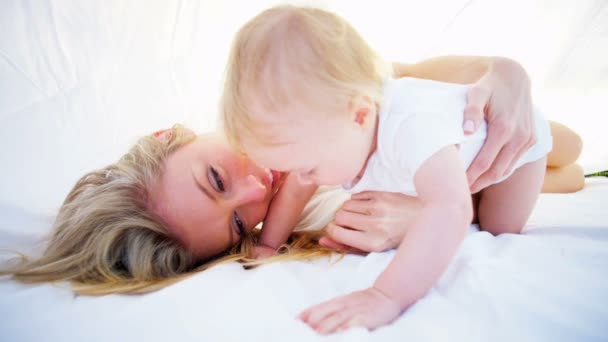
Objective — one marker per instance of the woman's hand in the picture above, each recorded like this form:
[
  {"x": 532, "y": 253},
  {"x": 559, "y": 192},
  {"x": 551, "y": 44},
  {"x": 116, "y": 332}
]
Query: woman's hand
[
  {"x": 371, "y": 221},
  {"x": 500, "y": 94},
  {"x": 503, "y": 97}
]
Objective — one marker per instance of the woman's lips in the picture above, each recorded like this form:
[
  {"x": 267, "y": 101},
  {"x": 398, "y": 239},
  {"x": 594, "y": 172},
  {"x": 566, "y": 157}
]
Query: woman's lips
[
  {"x": 271, "y": 180},
  {"x": 267, "y": 179},
  {"x": 276, "y": 175}
]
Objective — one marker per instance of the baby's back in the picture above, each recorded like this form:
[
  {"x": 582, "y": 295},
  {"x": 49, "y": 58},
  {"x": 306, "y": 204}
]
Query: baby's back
[
  {"x": 436, "y": 110},
  {"x": 417, "y": 119}
]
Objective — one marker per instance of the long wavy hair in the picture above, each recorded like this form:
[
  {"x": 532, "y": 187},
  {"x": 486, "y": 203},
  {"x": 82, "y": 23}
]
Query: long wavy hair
[{"x": 105, "y": 239}]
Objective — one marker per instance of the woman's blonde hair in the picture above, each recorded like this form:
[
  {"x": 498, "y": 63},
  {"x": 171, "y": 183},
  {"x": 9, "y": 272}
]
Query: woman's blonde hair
[
  {"x": 296, "y": 55},
  {"x": 106, "y": 239}
]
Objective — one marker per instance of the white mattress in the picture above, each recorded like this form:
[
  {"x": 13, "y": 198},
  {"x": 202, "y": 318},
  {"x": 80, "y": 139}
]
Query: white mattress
[
  {"x": 81, "y": 80},
  {"x": 549, "y": 284}
]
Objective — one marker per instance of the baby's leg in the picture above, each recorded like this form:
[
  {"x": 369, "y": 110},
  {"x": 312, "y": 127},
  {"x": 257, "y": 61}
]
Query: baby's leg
[{"x": 506, "y": 206}]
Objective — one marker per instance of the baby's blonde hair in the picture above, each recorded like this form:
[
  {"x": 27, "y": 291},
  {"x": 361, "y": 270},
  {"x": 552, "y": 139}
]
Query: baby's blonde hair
[
  {"x": 290, "y": 55},
  {"x": 106, "y": 239}
]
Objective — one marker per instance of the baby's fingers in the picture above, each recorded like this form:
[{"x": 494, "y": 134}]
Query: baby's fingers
[
  {"x": 354, "y": 321},
  {"x": 316, "y": 314},
  {"x": 333, "y": 322}
]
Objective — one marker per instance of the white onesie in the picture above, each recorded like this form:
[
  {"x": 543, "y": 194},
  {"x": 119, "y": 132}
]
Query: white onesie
[{"x": 417, "y": 119}]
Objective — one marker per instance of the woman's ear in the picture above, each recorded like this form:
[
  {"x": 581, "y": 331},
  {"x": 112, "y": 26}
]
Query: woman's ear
[{"x": 163, "y": 135}]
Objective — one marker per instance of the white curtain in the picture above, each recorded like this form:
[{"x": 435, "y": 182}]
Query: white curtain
[{"x": 80, "y": 80}]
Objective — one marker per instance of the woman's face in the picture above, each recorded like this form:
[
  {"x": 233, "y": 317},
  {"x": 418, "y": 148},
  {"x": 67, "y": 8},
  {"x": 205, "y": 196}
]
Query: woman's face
[{"x": 210, "y": 196}]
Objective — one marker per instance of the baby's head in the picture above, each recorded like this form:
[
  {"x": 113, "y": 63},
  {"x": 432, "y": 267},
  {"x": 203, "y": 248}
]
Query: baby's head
[{"x": 301, "y": 93}]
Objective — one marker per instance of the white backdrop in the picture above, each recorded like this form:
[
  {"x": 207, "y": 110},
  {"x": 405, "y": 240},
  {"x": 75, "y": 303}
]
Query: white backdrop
[{"x": 81, "y": 80}]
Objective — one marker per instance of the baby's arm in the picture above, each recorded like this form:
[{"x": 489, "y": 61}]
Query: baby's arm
[
  {"x": 283, "y": 213},
  {"x": 437, "y": 232},
  {"x": 422, "y": 256}
]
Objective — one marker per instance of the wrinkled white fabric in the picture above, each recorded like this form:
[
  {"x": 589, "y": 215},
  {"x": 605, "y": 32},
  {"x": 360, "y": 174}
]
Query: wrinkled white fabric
[
  {"x": 547, "y": 284},
  {"x": 81, "y": 80}
]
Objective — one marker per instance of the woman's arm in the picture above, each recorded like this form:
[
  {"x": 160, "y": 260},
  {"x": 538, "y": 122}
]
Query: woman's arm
[
  {"x": 501, "y": 94},
  {"x": 453, "y": 69}
]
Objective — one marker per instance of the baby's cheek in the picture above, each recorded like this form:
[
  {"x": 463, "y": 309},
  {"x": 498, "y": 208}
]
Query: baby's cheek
[
  {"x": 273, "y": 159},
  {"x": 257, "y": 155}
]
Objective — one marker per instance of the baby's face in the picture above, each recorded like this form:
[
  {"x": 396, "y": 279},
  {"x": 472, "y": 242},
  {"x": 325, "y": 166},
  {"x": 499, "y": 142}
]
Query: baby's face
[{"x": 323, "y": 149}]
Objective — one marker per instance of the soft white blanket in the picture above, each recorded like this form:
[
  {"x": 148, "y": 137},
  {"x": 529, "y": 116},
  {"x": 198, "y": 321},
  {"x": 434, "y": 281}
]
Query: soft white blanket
[
  {"x": 548, "y": 284},
  {"x": 80, "y": 80}
]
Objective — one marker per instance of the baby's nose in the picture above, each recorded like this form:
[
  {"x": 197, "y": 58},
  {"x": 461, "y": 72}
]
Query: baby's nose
[{"x": 305, "y": 177}]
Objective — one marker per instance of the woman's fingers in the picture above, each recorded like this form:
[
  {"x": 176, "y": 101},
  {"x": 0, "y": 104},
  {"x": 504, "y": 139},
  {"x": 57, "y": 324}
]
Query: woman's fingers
[
  {"x": 328, "y": 242},
  {"x": 508, "y": 112},
  {"x": 485, "y": 163},
  {"x": 524, "y": 140},
  {"x": 504, "y": 145},
  {"x": 473, "y": 116},
  {"x": 365, "y": 240},
  {"x": 352, "y": 220},
  {"x": 376, "y": 203},
  {"x": 363, "y": 207},
  {"x": 363, "y": 195},
  {"x": 346, "y": 236},
  {"x": 371, "y": 222}
]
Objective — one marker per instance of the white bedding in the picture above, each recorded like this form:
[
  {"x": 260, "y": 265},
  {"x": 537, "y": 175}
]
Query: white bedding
[
  {"x": 80, "y": 80},
  {"x": 548, "y": 284}
]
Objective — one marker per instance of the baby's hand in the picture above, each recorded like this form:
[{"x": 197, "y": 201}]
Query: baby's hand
[
  {"x": 369, "y": 308},
  {"x": 262, "y": 252}
]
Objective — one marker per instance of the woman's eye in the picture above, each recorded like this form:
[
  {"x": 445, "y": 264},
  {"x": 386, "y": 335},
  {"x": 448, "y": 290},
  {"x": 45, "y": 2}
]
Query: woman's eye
[
  {"x": 219, "y": 184},
  {"x": 239, "y": 225}
]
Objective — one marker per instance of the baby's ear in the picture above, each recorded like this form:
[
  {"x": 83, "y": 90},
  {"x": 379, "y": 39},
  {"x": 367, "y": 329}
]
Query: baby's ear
[
  {"x": 163, "y": 135},
  {"x": 361, "y": 115},
  {"x": 362, "y": 109}
]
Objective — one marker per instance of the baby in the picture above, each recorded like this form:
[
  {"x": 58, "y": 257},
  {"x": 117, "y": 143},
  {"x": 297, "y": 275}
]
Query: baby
[{"x": 305, "y": 94}]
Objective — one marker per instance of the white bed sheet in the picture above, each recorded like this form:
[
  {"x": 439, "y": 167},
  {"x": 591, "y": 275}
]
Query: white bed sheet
[
  {"x": 548, "y": 284},
  {"x": 80, "y": 80}
]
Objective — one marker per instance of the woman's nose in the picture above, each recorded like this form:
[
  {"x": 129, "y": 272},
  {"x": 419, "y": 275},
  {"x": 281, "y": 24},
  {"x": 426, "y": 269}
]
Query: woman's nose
[{"x": 251, "y": 189}]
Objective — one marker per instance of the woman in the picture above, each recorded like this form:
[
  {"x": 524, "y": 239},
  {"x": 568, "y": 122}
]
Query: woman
[{"x": 175, "y": 203}]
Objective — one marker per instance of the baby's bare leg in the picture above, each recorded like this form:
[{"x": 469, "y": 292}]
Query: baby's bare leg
[{"x": 506, "y": 206}]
